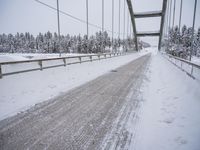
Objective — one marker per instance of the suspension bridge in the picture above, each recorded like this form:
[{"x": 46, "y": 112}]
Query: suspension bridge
[
  {"x": 100, "y": 97},
  {"x": 167, "y": 19}
]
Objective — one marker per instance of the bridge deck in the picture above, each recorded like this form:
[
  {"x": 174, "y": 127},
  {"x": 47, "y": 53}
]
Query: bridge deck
[{"x": 87, "y": 117}]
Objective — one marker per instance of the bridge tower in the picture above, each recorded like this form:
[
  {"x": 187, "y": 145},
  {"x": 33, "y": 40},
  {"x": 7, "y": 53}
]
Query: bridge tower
[{"x": 160, "y": 13}]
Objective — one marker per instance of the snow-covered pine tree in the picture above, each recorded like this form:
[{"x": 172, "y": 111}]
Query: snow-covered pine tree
[{"x": 198, "y": 43}]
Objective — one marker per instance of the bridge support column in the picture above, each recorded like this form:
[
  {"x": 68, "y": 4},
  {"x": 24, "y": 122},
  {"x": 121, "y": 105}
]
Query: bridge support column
[
  {"x": 162, "y": 23},
  {"x": 129, "y": 3}
]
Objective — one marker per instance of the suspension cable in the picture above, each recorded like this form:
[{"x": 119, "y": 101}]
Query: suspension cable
[
  {"x": 180, "y": 19},
  {"x": 75, "y": 18},
  {"x": 127, "y": 23},
  {"x": 194, "y": 19},
  {"x": 87, "y": 19},
  {"x": 170, "y": 14},
  {"x": 174, "y": 12},
  {"x": 119, "y": 18},
  {"x": 112, "y": 23},
  {"x": 103, "y": 16},
  {"x": 167, "y": 19},
  {"x": 58, "y": 17},
  {"x": 124, "y": 19},
  {"x": 180, "y": 15}
]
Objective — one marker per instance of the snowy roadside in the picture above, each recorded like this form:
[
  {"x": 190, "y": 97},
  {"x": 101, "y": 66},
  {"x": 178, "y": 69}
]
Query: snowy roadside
[
  {"x": 169, "y": 116},
  {"x": 22, "y": 91},
  {"x": 4, "y": 57},
  {"x": 196, "y": 60}
]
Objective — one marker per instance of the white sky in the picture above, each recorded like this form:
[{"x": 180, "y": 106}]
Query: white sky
[{"x": 28, "y": 15}]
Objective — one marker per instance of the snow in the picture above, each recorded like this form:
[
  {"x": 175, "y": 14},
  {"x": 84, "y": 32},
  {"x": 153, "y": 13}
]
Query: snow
[
  {"x": 191, "y": 71},
  {"x": 196, "y": 60},
  {"x": 169, "y": 114},
  {"x": 7, "y": 57},
  {"x": 31, "y": 56},
  {"x": 21, "y": 91}
]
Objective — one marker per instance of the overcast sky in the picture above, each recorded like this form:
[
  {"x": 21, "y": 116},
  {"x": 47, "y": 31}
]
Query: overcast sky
[{"x": 30, "y": 16}]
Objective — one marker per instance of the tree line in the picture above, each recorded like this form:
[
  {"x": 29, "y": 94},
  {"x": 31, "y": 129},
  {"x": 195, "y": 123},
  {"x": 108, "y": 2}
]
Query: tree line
[
  {"x": 180, "y": 42},
  {"x": 51, "y": 43}
]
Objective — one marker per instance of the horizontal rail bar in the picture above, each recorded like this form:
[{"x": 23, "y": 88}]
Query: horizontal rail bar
[
  {"x": 188, "y": 70},
  {"x": 49, "y": 59},
  {"x": 186, "y": 61},
  {"x": 148, "y": 14},
  {"x": 140, "y": 34},
  {"x": 41, "y": 67}
]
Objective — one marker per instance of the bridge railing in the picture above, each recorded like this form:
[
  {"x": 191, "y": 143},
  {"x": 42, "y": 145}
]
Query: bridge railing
[
  {"x": 16, "y": 67},
  {"x": 192, "y": 69}
]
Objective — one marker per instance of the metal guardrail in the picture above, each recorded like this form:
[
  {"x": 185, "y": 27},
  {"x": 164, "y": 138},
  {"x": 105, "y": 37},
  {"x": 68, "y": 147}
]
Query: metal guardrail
[
  {"x": 41, "y": 67},
  {"x": 193, "y": 65}
]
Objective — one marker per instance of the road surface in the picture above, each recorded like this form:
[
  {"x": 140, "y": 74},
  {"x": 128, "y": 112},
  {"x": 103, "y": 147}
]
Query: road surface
[{"x": 92, "y": 116}]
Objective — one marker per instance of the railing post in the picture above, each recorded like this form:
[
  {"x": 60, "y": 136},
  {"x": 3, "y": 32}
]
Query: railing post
[
  {"x": 105, "y": 56},
  {"x": 99, "y": 57},
  {"x": 91, "y": 58},
  {"x": 64, "y": 60},
  {"x": 192, "y": 70},
  {"x": 181, "y": 65},
  {"x": 40, "y": 64},
  {"x": 1, "y": 72},
  {"x": 80, "y": 59},
  {"x": 110, "y": 55}
]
